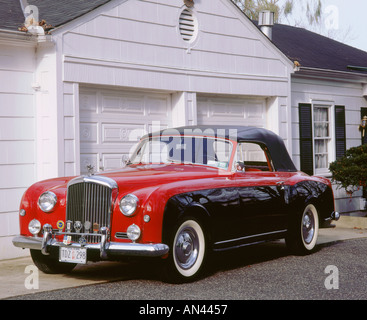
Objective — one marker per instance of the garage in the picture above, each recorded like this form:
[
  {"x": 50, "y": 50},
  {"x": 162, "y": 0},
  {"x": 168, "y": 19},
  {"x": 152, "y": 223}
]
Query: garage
[
  {"x": 231, "y": 111},
  {"x": 112, "y": 122}
]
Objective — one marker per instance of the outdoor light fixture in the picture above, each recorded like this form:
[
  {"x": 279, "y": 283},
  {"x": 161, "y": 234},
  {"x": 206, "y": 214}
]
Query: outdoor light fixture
[{"x": 363, "y": 125}]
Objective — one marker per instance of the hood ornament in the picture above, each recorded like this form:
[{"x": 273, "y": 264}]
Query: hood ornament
[{"x": 90, "y": 170}]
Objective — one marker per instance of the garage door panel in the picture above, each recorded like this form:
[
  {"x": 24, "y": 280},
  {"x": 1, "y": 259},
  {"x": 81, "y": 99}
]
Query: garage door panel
[
  {"x": 88, "y": 132},
  {"x": 231, "y": 111},
  {"x": 121, "y": 133},
  {"x": 88, "y": 102},
  {"x": 112, "y": 122},
  {"x": 126, "y": 105},
  {"x": 158, "y": 106},
  {"x": 111, "y": 161}
]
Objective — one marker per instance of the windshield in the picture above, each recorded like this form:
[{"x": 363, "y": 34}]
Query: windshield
[{"x": 208, "y": 151}]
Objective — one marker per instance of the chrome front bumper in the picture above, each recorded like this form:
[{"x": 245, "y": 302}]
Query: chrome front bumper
[{"x": 105, "y": 248}]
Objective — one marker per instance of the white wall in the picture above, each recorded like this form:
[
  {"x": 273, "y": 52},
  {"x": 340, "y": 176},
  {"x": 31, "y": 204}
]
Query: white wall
[
  {"x": 348, "y": 94},
  {"x": 138, "y": 44},
  {"x": 17, "y": 137}
]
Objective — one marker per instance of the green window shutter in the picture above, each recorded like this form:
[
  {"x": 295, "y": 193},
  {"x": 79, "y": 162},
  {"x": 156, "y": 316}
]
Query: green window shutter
[
  {"x": 340, "y": 136},
  {"x": 305, "y": 137}
]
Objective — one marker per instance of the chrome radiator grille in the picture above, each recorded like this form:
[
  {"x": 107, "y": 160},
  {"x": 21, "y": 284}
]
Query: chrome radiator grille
[{"x": 89, "y": 202}]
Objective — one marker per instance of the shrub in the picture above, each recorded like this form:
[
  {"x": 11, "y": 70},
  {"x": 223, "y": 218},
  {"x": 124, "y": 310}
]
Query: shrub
[{"x": 350, "y": 171}]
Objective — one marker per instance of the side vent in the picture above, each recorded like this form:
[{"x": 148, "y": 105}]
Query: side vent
[{"x": 188, "y": 25}]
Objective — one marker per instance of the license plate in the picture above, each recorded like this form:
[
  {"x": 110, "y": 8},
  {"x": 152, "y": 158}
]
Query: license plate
[{"x": 73, "y": 255}]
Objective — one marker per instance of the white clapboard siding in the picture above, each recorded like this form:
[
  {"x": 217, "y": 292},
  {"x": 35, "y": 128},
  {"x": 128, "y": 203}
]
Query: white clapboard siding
[
  {"x": 17, "y": 139},
  {"x": 139, "y": 44}
]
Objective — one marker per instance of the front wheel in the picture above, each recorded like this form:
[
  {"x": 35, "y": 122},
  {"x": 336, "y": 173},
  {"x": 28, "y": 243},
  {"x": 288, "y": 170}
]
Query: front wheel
[
  {"x": 188, "y": 252},
  {"x": 303, "y": 233}
]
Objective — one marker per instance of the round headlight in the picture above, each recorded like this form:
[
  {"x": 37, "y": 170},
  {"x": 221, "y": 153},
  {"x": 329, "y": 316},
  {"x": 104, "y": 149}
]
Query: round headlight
[
  {"x": 128, "y": 204},
  {"x": 47, "y": 201},
  {"x": 133, "y": 232},
  {"x": 34, "y": 227}
]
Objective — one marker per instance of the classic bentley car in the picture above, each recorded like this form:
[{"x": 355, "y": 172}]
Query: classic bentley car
[{"x": 185, "y": 193}]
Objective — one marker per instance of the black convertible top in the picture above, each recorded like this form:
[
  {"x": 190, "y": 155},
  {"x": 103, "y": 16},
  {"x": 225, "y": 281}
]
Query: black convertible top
[{"x": 278, "y": 152}]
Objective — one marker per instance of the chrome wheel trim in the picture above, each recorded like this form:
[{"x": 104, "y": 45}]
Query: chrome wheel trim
[
  {"x": 186, "y": 248},
  {"x": 309, "y": 227},
  {"x": 189, "y": 248}
]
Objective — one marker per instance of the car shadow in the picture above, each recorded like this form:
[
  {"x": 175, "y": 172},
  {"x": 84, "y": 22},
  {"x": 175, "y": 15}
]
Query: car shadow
[
  {"x": 149, "y": 269},
  {"x": 247, "y": 256}
]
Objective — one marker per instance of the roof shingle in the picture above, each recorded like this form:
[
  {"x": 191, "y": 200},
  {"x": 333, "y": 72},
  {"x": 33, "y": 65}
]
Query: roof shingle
[{"x": 315, "y": 51}]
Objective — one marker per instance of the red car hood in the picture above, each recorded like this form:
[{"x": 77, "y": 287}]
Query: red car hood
[{"x": 150, "y": 175}]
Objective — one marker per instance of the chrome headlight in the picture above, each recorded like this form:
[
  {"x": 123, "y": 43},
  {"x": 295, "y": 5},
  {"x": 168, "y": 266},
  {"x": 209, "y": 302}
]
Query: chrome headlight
[
  {"x": 34, "y": 227},
  {"x": 47, "y": 201},
  {"x": 128, "y": 204}
]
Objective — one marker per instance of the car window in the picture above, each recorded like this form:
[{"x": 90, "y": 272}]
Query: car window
[
  {"x": 251, "y": 157},
  {"x": 184, "y": 149}
]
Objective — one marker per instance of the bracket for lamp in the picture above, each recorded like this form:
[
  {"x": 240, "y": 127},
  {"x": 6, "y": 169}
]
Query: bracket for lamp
[{"x": 189, "y": 3}]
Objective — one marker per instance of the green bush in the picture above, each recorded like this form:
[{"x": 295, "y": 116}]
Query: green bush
[{"x": 350, "y": 171}]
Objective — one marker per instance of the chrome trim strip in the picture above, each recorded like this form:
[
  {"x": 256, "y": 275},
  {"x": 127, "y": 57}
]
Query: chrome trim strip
[
  {"x": 115, "y": 248},
  {"x": 105, "y": 181},
  {"x": 121, "y": 235},
  {"x": 249, "y": 237},
  {"x": 28, "y": 242},
  {"x": 47, "y": 236},
  {"x": 334, "y": 216}
]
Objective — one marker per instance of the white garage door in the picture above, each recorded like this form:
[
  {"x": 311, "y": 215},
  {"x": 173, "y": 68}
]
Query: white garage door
[
  {"x": 231, "y": 111},
  {"x": 111, "y": 123}
]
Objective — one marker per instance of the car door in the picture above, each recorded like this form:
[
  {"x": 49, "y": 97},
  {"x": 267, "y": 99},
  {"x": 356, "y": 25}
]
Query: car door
[{"x": 263, "y": 210}]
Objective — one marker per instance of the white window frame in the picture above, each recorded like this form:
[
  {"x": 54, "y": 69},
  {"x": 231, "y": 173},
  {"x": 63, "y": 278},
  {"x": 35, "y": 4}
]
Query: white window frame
[{"x": 330, "y": 106}]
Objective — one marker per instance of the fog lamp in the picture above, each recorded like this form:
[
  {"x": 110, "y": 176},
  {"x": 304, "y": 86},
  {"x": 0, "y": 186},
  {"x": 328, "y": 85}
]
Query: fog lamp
[
  {"x": 133, "y": 232},
  {"x": 34, "y": 227}
]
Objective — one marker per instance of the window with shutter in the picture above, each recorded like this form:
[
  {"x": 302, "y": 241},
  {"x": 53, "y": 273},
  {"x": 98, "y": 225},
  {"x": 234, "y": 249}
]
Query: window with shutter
[{"x": 317, "y": 145}]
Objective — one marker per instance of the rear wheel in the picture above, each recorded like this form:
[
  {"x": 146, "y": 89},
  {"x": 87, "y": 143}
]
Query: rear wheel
[
  {"x": 50, "y": 264},
  {"x": 303, "y": 234},
  {"x": 187, "y": 255}
]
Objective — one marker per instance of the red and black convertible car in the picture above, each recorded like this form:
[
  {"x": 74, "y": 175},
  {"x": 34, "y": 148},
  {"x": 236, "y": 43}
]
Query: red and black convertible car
[{"x": 184, "y": 193}]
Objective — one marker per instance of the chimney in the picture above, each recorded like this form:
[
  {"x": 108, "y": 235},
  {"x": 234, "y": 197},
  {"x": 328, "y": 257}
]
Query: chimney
[{"x": 266, "y": 23}]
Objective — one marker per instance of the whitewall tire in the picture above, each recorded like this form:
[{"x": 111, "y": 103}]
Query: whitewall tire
[{"x": 188, "y": 252}]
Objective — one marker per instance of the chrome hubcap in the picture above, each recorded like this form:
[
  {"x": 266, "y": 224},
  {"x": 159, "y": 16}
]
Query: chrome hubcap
[
  {"x": 187, "y": 248},
  {"x": 308, "y": 226}
]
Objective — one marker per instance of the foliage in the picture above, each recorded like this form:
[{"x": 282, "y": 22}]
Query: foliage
[
  {"x": 282, "y": 9},
  {"x": 350, "y": 171}
]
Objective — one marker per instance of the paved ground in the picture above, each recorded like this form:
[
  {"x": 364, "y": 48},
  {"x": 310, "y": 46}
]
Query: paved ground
[{"x": 13, "y": 273}]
